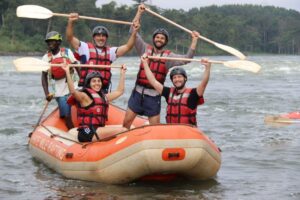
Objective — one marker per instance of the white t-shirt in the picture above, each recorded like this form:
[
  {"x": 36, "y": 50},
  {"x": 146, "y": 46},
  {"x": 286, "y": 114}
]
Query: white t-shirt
[
  {"x": 83, "y": 50},
  {"x": 60, "y": 87}
]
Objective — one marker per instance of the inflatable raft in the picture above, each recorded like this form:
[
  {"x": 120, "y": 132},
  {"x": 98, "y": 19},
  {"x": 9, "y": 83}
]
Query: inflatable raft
[
  {"x": 288, "y": 118},
  {"x": 292, "y": 115},
  {"x": 146, "y": 152}
]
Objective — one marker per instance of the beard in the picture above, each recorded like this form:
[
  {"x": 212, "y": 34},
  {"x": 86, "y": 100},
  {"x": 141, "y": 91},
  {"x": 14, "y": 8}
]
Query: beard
[
  {"x": 180, "y": 87},
  {"x": 159, "y": 47}
]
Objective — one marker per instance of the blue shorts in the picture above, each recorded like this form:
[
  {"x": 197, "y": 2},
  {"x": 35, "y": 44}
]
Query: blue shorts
[
  {"x": 63, "y": 106},
  {"x": 144, "y": 104}
]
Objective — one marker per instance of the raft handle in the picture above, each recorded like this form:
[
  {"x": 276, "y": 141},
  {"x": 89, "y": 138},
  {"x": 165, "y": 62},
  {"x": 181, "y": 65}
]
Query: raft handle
[
  {"x": 69, "y": 155},
  {"x": 172, "y": 154}
]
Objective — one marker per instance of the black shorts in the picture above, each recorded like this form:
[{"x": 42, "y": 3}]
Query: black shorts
[
  {"x": 86, "y": 134},
  {"x": 144, "y": 104}
]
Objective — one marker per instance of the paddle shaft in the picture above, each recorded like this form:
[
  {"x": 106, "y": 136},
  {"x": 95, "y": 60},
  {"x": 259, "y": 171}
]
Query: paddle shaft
[
  {"x": 177, "y": 25},
  {"x": 184, "y": 59},
  {"x": 86, "y": 65},
  {"x": 240, "y": 64},
  {"x": 277, "y": 119},
  {"x": 41, "y": 116},
  {"x": 95, "y": 19}
]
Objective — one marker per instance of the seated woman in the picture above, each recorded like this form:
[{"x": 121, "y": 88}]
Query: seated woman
[{"x": 92, "y": 106}]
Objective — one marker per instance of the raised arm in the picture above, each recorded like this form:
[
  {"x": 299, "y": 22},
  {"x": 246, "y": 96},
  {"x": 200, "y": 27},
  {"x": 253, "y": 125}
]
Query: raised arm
[
  {"x": 121, "y": 87},
  {"x": 157, "y": 85},
  {"x": 79, "y": 96},
  {"x": 201, "y": 87},
  {"x": 122, "y": 50},
  {"x": 138, "y": 15},
  {"x": 195, "y": 36},
  {"x": 190, "y": 54},
  {"x": 69, "y": 31},
  {"x": 134, "y": 29}
]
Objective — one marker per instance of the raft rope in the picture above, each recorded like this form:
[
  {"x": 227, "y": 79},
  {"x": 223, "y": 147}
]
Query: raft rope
[
  {"x": 55, "y": 135},
  {"x": 82, "y": 144}
]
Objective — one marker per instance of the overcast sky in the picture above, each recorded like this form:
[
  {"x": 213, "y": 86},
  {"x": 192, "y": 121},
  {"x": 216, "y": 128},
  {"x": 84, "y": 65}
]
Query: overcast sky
[{"x": 187, "y": 4}]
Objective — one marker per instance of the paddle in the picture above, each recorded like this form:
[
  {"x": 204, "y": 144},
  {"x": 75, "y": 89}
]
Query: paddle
[
  {"x": 218, "y": 45},
  {"x": 40, "y": 118},
  {"x": 239, "y": 64},
  {"x": 281, "y": 120},
  {"x": 39, "y": 12},
  {"x": 28, "y": 64}
]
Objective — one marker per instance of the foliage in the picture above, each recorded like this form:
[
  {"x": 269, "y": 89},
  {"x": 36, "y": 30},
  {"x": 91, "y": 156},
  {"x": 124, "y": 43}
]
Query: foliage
[{"x": 251, "y": 29}]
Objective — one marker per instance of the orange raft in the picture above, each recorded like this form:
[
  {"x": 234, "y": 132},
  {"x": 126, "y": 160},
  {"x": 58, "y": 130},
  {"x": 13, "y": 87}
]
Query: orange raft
[
  {"x": 147, "y": 152},
  {"x": 292, "y": 115}
]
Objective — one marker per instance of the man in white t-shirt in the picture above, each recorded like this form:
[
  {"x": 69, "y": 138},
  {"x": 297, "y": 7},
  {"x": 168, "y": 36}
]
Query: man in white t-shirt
[
  {"x": 57, "y": 76},
  {"x": 97, "y": 51}
]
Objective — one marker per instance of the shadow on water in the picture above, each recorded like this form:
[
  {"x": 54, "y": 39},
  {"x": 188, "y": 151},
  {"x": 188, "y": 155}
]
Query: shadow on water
[
  {"x": 153, "y": 190},
  {"x": 63, "y": 188}
]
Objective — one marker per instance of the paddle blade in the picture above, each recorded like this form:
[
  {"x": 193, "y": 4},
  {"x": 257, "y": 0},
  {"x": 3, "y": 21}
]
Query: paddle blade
[
  {"x": 33, "y": 11},
  {"x": 244, "y": 65},
  {"x": 230, "y": 50},
  {"x": 28, "y": 64},
  {"x": 278, "y": 120}
]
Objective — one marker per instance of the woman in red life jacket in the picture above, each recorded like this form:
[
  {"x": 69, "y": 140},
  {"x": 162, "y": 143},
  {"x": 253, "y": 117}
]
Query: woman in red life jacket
[
  {"x": 57, "y": 76},
  {"x": 182, "y": 101},
  {"x": 92, "y": 106}
]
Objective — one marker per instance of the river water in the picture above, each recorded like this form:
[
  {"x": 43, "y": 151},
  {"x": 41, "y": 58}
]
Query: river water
[{"x": 258, "y": 161}]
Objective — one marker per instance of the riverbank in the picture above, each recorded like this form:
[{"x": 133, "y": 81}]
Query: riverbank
[{"x": 21, "y": 53}]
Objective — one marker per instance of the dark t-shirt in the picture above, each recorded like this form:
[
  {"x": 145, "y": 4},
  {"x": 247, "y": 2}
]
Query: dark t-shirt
[{"x": 193, "y": 100}]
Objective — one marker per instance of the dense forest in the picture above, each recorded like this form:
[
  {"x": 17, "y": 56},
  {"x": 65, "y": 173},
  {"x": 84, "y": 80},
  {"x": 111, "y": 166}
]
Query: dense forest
[{"x": 251, "y": 29}]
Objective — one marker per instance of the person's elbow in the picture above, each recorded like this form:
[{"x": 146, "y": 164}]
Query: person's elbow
[
  {"x": 122, "y": 90},
  {"x": 72, "y": 90}
]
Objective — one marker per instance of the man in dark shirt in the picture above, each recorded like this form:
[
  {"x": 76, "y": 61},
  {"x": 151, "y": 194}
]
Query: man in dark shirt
[{"x": 182, "y": 101}]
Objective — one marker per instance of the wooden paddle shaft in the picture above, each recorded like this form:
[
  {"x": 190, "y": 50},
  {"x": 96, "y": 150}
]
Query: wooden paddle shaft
[
  {"x": 95, "y": 19},
  {"x": 86, "y": 65},
  {"x": 183, "y": 59},
  {"x": 177, "y": 25},
  {"x": 41, "y": 116},
  {"x": 278, "y": 119}
]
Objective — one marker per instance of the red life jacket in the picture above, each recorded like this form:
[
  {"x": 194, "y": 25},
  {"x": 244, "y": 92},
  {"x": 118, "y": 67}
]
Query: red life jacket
[
  {"x": 97, "y": 58},
  {"x": 178, "y": 110},
  {"x": 158, "y": 68},
  {"x": 95, "y": 114},
  {"x": 56, "y": 71}
]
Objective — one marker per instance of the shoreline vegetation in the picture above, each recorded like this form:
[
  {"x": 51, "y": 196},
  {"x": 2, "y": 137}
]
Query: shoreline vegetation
[
  {"x": 22, "y": 53},
  {"x": 252, "y": 29}
]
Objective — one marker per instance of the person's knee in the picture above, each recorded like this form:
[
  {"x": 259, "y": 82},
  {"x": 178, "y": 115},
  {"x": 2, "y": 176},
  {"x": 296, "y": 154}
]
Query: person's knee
[
  {"x": 123, "y": 129},
  {"x": 128, "y": 119},
  {"x": 154, "y": 119}
]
